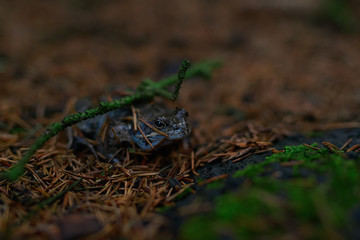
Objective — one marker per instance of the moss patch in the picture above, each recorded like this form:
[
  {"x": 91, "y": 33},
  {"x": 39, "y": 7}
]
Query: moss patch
[
  {"x": 302, "y": 192},
  {"x": 216, "y": 184}
]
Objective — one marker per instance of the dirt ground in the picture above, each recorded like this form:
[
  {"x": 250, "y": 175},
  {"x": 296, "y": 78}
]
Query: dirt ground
[
  {"x": 279, "y": 65},
  {"x": 288, "y": 66}
]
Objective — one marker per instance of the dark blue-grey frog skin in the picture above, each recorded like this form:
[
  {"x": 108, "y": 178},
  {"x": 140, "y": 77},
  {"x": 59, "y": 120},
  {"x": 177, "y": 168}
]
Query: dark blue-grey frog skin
[
  {"x": 120, "y": 132},
  {"x": 173, "y": 124}
]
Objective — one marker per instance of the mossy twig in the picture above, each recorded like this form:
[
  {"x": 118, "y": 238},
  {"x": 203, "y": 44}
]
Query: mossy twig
[
  {"x": 182, "y": 72},
  {"x": 147, "y": 90}
]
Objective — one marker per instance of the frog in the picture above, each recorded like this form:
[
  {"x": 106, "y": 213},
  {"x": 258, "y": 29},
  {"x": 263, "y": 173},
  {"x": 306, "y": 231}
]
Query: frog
[{"x": 145, "y": 127}]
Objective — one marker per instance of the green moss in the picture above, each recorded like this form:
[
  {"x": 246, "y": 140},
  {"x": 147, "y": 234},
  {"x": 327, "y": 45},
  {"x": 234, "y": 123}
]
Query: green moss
[
  {"x": 17, "y": 129},
  {"x": 198, "y": 228},
  {"x": 216, "y": 184},
  {"x": 314, "y": 134},
  {"x": 339, "y": 14},
  {"x": 291, "y": 153},
  {"x": 199, "y": 179},
  {"x": 229, "y": 207},
  {"x": 298, "y": 153},
  {"x": 270, "y": 208}
]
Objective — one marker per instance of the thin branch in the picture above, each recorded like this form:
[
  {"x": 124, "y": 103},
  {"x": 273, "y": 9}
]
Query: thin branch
[
  {"x": 182, "y": 72},
  {"x": 147, "y": 90}
]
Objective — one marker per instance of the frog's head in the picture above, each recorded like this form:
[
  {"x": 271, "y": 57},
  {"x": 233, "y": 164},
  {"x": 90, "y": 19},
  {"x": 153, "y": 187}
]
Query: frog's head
[{"x": 164, "y": 128}]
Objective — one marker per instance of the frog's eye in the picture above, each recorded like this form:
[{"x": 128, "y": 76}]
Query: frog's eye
[{"x": 160, "y": 124}]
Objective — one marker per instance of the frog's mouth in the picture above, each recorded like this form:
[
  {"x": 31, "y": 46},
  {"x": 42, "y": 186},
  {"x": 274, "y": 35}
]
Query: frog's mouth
[
  {"x": 149, "y": 143},
  {"x": 178, "y": 132},
  {"x": 154, "y": 141}
]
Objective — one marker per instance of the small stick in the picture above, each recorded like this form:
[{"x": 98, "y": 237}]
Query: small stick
[
  {"x": 37, "y": 177},
  {"x": 114, "y": 155},
  {"x": 127, "y": 172},
  {"x": 346, "y": 144},
  {"x": 104, "y": 129},
  {"x": 117, "y": 139},
  {"x": 214, "y": 179},
  {"x": 170, "y": 198},
  {"x": 147, "y": 140},
  {"x": 185, "y": 65},
  {"x": 192, "y": 164},
  {"x": 353, "y": 148},
  {"x": 312, "y": 147},
  {"x": 242, "y": 157},
  {"x": 134, "y": 117},
  {"x": 330, "y": 146},
  {"x": 153, "y": 128}
]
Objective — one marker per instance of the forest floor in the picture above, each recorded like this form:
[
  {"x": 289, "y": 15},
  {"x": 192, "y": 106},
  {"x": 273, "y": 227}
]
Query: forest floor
[{"x": 289, "y": 76}]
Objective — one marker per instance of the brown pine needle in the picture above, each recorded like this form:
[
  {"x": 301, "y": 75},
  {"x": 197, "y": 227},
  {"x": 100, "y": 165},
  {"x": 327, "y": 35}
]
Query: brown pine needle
[
  {"x": 134, "y": 117},
  {"x": 153, "y": 128},
  {"x": 312, "y": 147},
  {"x": 147, "y": 140},
  {"x": 192, "y": 164},
  {"x": 346, "y": 144},
  {"x": 117, "y": 139},
  {"x": 36, "y": 177},
  {"x": 330, "y": 146},
  {"x": 104, "y": 129},
  {"x": 353, "y": 148},
  {"x": 207, "y": 181}
]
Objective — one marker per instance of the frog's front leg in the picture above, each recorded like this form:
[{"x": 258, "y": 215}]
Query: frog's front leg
[
  {"x": 147, "y": 143},
  {"x": 78, "y": 143},
  {"x": 113, "y": 140}
]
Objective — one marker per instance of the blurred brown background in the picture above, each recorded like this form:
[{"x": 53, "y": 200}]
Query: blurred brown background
[{"x": 293, "y": 63}]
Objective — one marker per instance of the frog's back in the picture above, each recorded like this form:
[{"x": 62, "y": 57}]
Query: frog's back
[
  {"x": 156, "y": 125},
  {"x": 91, "y": 127}
]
